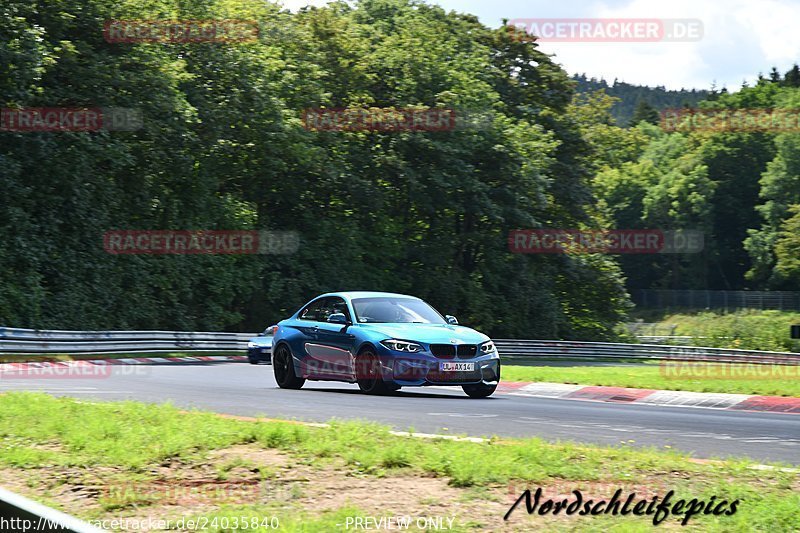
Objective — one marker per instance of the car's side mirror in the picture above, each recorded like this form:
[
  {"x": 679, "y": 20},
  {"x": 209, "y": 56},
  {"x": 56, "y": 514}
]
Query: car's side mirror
[
  {"x": 338, "y": 318},
  {"x": 451, "y": 319}
]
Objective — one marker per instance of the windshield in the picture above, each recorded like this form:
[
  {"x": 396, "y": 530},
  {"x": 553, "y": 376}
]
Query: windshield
[{"x": 395, "y": 310}]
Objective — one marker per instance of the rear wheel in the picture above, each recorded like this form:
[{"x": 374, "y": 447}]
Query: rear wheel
[
  {"x": 480, "y": 390},
  {"x": 368, "y": 374},
  {"x": 283, "y": 366}
]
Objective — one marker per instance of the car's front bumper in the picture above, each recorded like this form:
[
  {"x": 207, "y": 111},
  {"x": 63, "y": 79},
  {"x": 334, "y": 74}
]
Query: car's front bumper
[
  {"x": 260, "y": 353},
  {"x": 423, "y": 368}
]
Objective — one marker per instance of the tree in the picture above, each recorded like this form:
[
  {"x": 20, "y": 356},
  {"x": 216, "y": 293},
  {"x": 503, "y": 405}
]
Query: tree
[
  {"x": 779, "y": 189},
  {"x": 224, "y": 147},
  {"x": 644, "y": 112},
  {"x": 787, "y": 249},
  {"x": 792, "y": 77}
]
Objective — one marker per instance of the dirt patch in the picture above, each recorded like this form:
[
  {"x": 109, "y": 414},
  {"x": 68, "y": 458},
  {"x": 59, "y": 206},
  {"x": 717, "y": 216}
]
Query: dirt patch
[
  {"x": 252, "y": 475},
  {"x": 249, "y": 474},
  {"x": 317, "y": 489},
  {"x": 256, "y": 454}
]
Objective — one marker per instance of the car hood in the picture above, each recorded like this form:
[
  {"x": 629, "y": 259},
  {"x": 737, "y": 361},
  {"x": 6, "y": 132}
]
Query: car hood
[
  {"x": 428, "y": 333},
  {"x": 262, "y": 340}
]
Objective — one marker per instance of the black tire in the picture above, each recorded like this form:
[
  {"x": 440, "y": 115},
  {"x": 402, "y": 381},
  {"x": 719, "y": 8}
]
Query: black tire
[
  {"x": 479, "y": 390},
  {"x": 368, "y": 374},
  {"x": 283, "y": 366},
  {"x": 252, "y": 360}
]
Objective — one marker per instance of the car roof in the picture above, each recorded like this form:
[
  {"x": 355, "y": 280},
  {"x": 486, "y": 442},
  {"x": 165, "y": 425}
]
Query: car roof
[{"x": 367, "y": 294}]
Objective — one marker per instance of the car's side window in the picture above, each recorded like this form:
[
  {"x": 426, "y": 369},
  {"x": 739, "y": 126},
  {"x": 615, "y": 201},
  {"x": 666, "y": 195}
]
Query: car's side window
[
  {"x": 338, "y": 305},
  {"x": 320, "y": 310},
  {"x": 316, "y": 310}
]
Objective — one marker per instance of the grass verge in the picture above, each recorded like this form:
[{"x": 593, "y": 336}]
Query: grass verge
[
  {"x": 767, "y": 380},
  {"x": 63, "y": 446}
]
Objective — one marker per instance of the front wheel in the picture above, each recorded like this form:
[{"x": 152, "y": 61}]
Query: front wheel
[
  {"x": 283, "y": 366},
  {"x": 368, "y": 374},
  {"x": 480, "y": 390}
]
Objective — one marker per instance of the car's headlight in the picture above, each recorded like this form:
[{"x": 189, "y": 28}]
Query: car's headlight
[
  {"x": 402, "y": 346},
  {"x": 487, "y": 348},
  {"x": 251, "y": 345}
]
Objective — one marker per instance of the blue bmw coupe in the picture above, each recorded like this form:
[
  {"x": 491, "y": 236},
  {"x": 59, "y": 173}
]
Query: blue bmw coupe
[{"x": 382, "y": 341}]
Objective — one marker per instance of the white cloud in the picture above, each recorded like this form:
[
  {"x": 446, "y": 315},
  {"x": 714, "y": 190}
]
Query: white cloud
[
  {"x": 741, "y": 38},
  {"x": 774, "y": 25}
]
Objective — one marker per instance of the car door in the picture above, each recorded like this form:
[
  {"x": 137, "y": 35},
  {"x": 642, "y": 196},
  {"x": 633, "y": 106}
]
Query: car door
[
  {"x": 335, "y": 339},
  {"x": 307, "y": 324},
  {"x": 324, "y": 344}
]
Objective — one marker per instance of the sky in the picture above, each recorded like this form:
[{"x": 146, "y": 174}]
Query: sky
[{"x": 740, "y": 38}]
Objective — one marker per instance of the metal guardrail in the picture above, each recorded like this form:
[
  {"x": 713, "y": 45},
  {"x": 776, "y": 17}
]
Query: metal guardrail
[
  {"x": 19, "y": 514},
  {"x": 704, "y": 299},
  {"x": 29, "y": 341},
  {"x": 611, "y": 350},
  {"x": 55, "y": 341},
  {"x": 683, "y": 340}
]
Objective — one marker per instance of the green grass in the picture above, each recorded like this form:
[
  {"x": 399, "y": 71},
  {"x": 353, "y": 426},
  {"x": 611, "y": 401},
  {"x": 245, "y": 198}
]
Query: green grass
[
  {"x": 749, "y": 329},
  {"x": 40, "y": 432},
  {"x": 673, "y": 375}
]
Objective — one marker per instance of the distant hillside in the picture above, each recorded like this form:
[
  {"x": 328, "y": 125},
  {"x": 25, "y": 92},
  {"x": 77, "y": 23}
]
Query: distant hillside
[{"x": 630, "y": 95}]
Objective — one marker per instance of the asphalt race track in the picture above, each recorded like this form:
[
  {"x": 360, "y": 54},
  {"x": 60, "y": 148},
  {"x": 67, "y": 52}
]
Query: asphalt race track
[{"x": 242, "y": 389}]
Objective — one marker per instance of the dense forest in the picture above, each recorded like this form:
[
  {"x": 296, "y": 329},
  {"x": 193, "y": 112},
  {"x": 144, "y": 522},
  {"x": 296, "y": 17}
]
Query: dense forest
[
  {"x": 740, "y": 187},
  {"x": 631, "y": 98},
  {"x": 223, "y": 146}
]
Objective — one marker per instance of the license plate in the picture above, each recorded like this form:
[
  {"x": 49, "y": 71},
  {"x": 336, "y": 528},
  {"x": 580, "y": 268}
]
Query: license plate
[{"x": 456, "y": 367}]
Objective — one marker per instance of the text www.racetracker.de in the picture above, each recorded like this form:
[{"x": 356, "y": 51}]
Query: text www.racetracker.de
[{"x": 22, "y": 525}]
